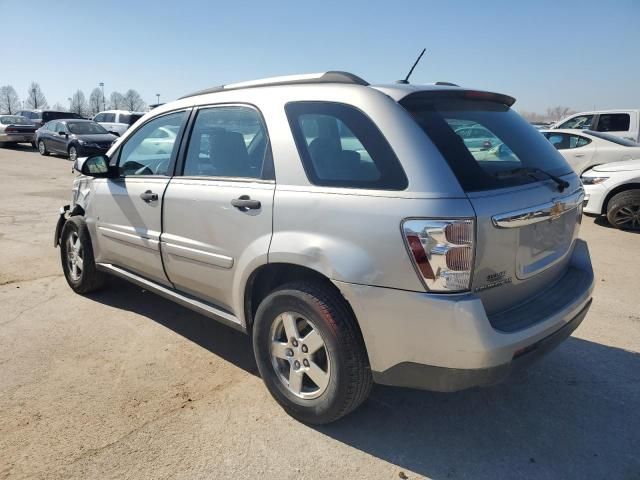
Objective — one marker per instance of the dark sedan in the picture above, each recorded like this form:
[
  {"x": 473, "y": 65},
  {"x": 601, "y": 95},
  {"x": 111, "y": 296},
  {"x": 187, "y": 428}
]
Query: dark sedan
[{"x": 73, "y": 138}]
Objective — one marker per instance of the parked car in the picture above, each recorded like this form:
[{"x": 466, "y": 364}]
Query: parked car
[
  {"x": 347, "y": 228},
  {"x": 16, "y": 129},
  {"x": 40, "y": 117},
  {"x": 586, "y": 149},
  {"x": 614, "y": 190},
  {"x": 476, "y": 137},
  {"x": 117, "y": 121},
  {"x": 621, "y": 123},
  {"x": 73, "y": 138}
]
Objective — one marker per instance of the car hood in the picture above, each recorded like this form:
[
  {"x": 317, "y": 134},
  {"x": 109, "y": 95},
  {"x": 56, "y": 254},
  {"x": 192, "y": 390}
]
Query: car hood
[
  {"x": 624, "y": 166},
  {"x": 96, "y": 137}
]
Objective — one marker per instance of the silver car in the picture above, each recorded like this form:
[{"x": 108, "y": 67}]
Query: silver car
[
  {"x": 347, "y": 228},
  {"x": 16, "y": 129}
]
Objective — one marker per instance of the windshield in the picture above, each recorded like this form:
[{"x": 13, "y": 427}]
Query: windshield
[
  {"x": 85, "y": 128},
  {"x": 14, "y": 120},
  {"x": 612, "y": 138},
  {"x": 483, "y": 140}
]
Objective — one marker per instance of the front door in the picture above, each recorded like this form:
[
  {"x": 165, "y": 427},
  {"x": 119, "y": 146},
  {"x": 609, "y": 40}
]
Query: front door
[
  {"x": 218, "y": 207},
  {"x": 127, "y": 210}
]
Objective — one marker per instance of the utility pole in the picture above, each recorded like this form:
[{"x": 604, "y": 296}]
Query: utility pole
[
  {"x": 158, "y": 98},
  {"x": 104, "y": 103},
  {"x": 35, "y": 99}
]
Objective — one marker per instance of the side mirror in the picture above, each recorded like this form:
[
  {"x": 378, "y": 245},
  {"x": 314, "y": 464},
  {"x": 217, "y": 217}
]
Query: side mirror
[
  {"x": 95, "y": 166},
  {"x": 62, "y": 134}
]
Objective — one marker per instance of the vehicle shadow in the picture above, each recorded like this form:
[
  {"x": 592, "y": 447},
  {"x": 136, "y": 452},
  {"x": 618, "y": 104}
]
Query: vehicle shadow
[
  {"x": 574, "y": 414},
  {"x": 225, "y": 342},
  {"x": 602, "y": 221}
]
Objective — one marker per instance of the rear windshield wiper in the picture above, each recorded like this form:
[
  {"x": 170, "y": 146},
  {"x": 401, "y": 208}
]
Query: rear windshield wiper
[{"x": 533, "y": 172}]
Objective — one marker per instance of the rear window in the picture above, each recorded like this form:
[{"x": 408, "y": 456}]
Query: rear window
[
  {"x": 341, "y": 147},
  {"x": 485, "y": 143},
  {"x": 129, "y": 119},
  {"x": 14, "y": 120},
  {"x": 48, "y": 116},
  {"x": 613, "y": 122}
]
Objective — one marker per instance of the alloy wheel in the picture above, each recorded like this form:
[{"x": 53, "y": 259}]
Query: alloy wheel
[
  {"x": 41, "y": 148},
  {"x": 628, "y": 217},
  {"x": 73, "y": 154},
  {"x": 299, "y": 355},
  {"x": 75, "y": 260}
]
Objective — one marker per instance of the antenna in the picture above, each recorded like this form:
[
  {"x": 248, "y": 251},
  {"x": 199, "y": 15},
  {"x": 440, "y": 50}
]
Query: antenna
[{"x": 406, "y": 79}]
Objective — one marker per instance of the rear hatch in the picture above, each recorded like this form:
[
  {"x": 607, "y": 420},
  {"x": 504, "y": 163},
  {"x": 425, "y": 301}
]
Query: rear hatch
[{"x": 526, "y": 197}]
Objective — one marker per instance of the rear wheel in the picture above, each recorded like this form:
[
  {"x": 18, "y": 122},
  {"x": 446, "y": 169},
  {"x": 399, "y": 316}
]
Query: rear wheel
[
  {"x": 623, "y": 210},
  {"x": 42, "y": 148},
  {"x": 310, "y": 353},
  {"x": 76, "y": 254}
]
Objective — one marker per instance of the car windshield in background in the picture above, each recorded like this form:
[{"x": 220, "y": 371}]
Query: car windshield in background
[
  {"x": 129, "y": 119},
  {"x": 48, "y": 116},
  {"x": 14, "y": 120},
  {"x": 85, "y": 128},
  {"x": 612, "y": 138},
  {"x": 483, "y": 141}
]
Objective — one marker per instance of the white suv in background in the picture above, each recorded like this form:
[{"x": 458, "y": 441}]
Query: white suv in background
[
  {"x": 621, "y": 123},
  {"x": 117, "y": 121}
]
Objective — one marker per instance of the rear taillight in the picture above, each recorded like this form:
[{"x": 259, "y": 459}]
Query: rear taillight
[
  {"x": 11, "y": 130},
  {"x": 442, "y": 252}
]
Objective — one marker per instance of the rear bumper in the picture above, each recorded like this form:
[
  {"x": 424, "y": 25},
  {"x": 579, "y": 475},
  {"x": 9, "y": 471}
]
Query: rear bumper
[
  {"x": 17, "y": 137},
  {"x": 594, "y": 199},
  {"x": 447, "y": 343}
]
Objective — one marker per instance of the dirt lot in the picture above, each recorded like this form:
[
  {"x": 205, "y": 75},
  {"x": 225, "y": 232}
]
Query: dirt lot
[{"x": 124, "y": 384}]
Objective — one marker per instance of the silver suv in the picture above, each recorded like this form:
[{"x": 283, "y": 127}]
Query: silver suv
[{"x": 348, "y": 228}]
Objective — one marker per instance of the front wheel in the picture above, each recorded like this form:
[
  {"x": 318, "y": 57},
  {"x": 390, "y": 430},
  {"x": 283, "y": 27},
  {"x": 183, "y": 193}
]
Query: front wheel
[
  {"x": 310, "y": 352},
  {"x": 73, "y": 153},
  {"x": 42, "y": 148},
  {"x": 76, "y": 254},
  {"x": 623, "y": 210}
]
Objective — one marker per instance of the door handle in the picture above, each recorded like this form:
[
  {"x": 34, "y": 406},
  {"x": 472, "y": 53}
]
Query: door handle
[
  {"x": 244, "y": 203},
  {"x": 578, "y": 154},
  {"x": 149, "y": 196}
]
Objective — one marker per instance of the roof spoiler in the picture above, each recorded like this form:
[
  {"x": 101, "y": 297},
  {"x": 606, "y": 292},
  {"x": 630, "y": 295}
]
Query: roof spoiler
[
  {"x": 326, "y": 77},
  {"x": 428, "y": 95}
]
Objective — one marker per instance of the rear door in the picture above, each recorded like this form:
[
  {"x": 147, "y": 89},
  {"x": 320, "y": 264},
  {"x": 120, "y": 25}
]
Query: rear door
[
  {"x": 217, "y": 216},
  {"x": 526, "y": 223},
  {"x": 127, "y": 210}
]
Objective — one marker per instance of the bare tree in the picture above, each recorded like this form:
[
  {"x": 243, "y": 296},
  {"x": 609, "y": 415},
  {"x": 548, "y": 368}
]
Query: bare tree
[
  {"x": 35, "y": 97},
  {"x": 79, "y": 104},
  {"x": 133, "y": 101},
  {"x": 9, "y": 101},
  {"x": 58, "y": 107},
  {"x": 95, "y": 101},
  {"x": 559, "y": 112},
  {"x": 116, "y": 101}
]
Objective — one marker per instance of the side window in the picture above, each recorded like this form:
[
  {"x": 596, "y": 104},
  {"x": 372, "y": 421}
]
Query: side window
[
  {"x": 613, "y": 122},
  {"x": 341, "y": 147},
  {"x": 123, "y": 118},
  {"x": 99, "y": 118},
  {"x": 227, "y": 142},
  {"x": 580, "y": 122},
  {"x": 51, "y": 126},
  {"x": 576, "y": 141},
  {"x": 145, "y": 152},
  {"x": 559, "y": 140}
]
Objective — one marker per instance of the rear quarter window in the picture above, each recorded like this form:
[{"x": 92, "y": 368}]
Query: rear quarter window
[{"x": 341, "y": 147}]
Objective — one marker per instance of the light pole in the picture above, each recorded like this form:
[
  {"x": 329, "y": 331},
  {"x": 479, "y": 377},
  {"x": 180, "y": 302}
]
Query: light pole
[
  {"x": 35, "y": 99},
  {"x": 158, "y": 98},
  {"x": 104, "y": 104},
  {"x": 69, "y": 103}
]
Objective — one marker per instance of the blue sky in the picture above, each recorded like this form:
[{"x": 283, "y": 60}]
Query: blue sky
[{"x": 579, "y": 54}]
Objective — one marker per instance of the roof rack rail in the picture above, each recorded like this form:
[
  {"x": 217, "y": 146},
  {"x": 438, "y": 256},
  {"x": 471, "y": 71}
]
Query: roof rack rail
[{"x": 326, "y": 77}]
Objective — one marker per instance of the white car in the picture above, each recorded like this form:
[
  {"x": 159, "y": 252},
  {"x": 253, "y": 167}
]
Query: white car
[
  {"x": 621, "y": 123},
  {"x": 614, "y": 190},
  {"x": 585, "y": 149},
  {"x": 117, "y": 121}
]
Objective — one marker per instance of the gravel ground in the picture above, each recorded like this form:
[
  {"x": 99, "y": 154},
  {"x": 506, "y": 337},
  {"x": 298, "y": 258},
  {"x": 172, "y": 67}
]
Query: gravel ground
[{"x": 124, "y": 384}]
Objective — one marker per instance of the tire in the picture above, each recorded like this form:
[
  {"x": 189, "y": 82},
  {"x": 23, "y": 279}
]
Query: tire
[
  {"x": 83, "y": 277},
  {"x": 42, "y": 148},
  {"x": 623, "y": 210},
  {"x": 342, "y": 359},
  {"x": 73, "y": 153}
]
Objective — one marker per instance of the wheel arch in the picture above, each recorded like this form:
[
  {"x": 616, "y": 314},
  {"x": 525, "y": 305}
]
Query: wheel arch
[{"x": 619, "y": 189}]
